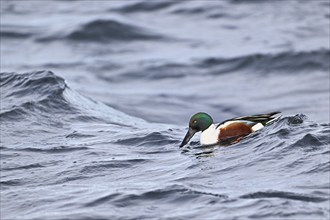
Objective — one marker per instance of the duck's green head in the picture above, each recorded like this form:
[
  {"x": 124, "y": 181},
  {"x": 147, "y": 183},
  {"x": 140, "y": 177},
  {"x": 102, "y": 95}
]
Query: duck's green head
[{"x": 198, "y": 122}]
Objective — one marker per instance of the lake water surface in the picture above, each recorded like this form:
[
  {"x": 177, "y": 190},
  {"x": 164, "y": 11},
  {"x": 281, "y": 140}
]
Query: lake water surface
[{"x": 96, "y": 97}]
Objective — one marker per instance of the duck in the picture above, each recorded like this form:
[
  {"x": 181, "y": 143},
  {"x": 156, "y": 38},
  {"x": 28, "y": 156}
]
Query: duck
[{"x": 229, "y": 131}]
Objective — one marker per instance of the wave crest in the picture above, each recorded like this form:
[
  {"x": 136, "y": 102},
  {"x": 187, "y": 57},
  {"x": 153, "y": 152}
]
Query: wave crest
[{"x": 286, "y": 61}]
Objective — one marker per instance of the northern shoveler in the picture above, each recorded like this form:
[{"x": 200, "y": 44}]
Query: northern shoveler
[{"x": 229, "y": 131}]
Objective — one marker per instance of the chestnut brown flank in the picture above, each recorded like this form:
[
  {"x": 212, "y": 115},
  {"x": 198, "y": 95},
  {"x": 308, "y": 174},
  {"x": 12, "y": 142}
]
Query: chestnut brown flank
[{"x": 236, "y": 129}]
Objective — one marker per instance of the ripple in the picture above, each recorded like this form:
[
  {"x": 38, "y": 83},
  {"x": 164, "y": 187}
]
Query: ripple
[
  {"x": 284, "y": 195},
  {"x": 286, "y": 61},
  {"x": 25, "y": 167},
  {"x": 13, "y": 34},
  {"x": 152, "y": 139},
  {"x": 13, "y": 182},
  {"x": 113, "y": 164},
  {"x": 174, "y": 194},
  {"x": 60, "y": 149},
  {"x": 145, "y": 6}
]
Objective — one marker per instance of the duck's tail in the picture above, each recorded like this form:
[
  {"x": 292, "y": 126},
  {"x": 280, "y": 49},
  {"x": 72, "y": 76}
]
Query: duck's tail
[{"x": 264, "y": 119}]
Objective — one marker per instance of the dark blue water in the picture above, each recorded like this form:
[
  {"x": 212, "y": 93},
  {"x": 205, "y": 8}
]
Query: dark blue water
[{"x": 96, "y": 98}]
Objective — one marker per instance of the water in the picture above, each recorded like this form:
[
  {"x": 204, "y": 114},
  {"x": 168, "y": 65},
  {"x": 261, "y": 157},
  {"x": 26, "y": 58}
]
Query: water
[{"x": 96, "y": 97}]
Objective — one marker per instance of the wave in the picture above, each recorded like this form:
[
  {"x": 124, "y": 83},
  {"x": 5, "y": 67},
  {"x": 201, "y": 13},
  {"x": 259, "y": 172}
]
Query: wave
[
  {"x": 107, "y": 166},
  {"x": 105, "y": 30},
  {"x": 40, "y": 82},
  {"x": 13, "y": 182},
  {"x": 151, "y": 139},
  {"x": 43, "y": 101},
  {"x": 181, "y": 194},
  {"x": 14, "y": 34},
  {"x": 40, "y": 91},
  {"x": 172, "y": 193},
  {"x": 285, "y": 61},
  {"x": 187, "y": 11},
  {"x": 43, "y": 93},
  {"x": 211, "y": 11},
  {"x": 149, "y": 72},
  {"x": 150, "y": 6},
  {"x": 53, "y": 150},
  {"x": 18, "y": 31},
  {"x": 284, "y": 195},
  {"x": 249, "y": 1}
]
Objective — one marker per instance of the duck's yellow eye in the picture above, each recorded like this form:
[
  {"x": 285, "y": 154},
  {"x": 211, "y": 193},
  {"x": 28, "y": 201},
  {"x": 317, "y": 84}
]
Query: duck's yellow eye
[{"x": 195, "y": 122}]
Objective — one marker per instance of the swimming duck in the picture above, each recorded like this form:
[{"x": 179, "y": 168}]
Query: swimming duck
[{"x": 229, "y": 131}]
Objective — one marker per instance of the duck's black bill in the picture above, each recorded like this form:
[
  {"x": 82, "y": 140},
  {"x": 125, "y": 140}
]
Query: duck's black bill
[{"x": 188, "y": 136}]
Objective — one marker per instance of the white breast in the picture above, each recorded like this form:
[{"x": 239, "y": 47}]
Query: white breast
[{"x": 209, "y": 136}]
